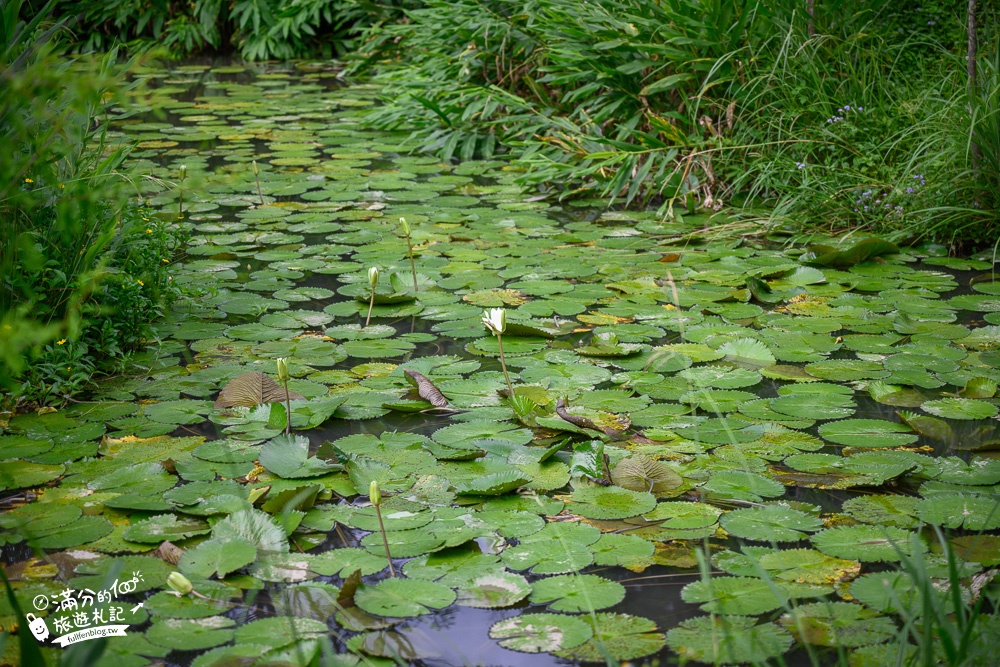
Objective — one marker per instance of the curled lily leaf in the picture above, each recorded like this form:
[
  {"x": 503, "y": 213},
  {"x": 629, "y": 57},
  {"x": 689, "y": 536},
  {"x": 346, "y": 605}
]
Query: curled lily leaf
[{"x": 495, "y": 319}]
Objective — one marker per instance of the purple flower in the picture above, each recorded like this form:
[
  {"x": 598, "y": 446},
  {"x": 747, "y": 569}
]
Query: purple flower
[{"x": 800, "y": 165}]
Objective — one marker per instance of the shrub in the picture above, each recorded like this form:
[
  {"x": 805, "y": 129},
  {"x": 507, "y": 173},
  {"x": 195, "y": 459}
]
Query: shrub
[
  {"x": 78, "y": 263},
  {"x": 707, "y": 102}
]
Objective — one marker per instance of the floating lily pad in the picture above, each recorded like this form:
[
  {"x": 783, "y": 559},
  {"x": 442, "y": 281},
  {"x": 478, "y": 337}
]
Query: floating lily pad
[
  {"x": 960, "y": 408},
  {"x": 577, "y": 592},
  {"x": 618, "y": 636},
  {"x": 541, "y": 633},
  {"x": 728, "y": 640},
  {"x": 775, "y": 523},
  {"x": 403, "y": 597}
]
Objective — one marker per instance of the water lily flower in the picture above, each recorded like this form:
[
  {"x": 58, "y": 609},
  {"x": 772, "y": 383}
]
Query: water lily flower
[
  {"x": 256, "y": 170},
  {"x": 405, "y": 225},
  {"x": 374, "y": 493},
  {"x": 179, "y": 583},
  {"x": 373, "y": 281},
  {"x": 495, "y": 319},
  {"x": 283, "y": 369}
]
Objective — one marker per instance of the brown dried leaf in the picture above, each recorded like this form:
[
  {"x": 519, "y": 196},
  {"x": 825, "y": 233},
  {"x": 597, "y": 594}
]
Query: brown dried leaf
[{"x": 252, "y": 389}]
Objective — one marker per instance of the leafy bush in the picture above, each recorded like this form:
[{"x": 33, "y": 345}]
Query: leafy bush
[
  {"x": 256, "y": 29},
  {"x": 705, "y": 102},
  {"x": 77, "y": 261}
]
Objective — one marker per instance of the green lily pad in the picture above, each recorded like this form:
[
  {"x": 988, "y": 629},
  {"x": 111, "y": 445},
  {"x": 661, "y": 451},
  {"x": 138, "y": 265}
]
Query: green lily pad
[
  {"x": 403, "y": 597},
  {"x": 618, "y": 636},
  {"x": 867, "y": 433},
  {"x": 728, "y": 640},
  {"x": 577, "y": 593},
  {"x": 734, "y": 595},
  {"x": 541, "y": 633},
  {"x": 960, "y": 408},
  {"x": 775, "y": 523}
]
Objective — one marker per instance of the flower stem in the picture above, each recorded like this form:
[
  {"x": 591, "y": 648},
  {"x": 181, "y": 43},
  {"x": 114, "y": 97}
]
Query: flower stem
[
  {"x": 385, "y": 541},
  {"x": 259, "y": 194},
  {"x": 288, "y": 411},
  {"x": 413, "y": 266},
  {"x": 371, "y": 304},
  {"x": 503, "y": 364}
]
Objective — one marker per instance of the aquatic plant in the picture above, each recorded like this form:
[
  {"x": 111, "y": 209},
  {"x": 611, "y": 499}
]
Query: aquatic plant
[
  {"x": 409, "y": 250},
  {"x": 181, "y": 175},
  {"x": 375, "y": 495},
  {"x": 495, "y": 321},
  {"x": 283, "y": 378},
  {"x": 256, "y": 176},
  {"x": 373, "y": 283}
]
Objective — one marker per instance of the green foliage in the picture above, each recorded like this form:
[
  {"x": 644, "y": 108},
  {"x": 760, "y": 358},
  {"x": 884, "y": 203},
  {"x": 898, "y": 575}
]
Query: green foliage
[
  {"x": 866, "y": 123},
  {"x": 256, "y": 29},
  {"x": 76, "y": 259}
]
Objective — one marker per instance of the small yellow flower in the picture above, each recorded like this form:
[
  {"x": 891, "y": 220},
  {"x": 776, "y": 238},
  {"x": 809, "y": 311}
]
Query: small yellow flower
[
  {"x": 166, "y": 261},
  {"x": 62, "y": 186},
  {"x": 60, "y": 342},
  {"x": 149, "y": 231},
  {"x": 28, "y": 180},
  {"x": 69, "y": 368},
  {"x": 140, "y": 282},
  {"x": 145, "y": 219}
]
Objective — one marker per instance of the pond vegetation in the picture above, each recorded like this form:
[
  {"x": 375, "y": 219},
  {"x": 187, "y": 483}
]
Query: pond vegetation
[{"x": 386, "y": 408}]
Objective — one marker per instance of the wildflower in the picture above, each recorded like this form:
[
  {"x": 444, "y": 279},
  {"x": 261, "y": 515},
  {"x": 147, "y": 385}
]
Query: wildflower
[
  {"x": 495, "y": 320},
  {"x": 62, "y": 186},
  {"x": 149, "y": 231},
  {"x": 800, "y": 165},
  {"x": 61, "y": 342},
  {"x": 28, "y": 180},
  {"x": 141, "y": 284},
  {"x": 145, "y": 219}
]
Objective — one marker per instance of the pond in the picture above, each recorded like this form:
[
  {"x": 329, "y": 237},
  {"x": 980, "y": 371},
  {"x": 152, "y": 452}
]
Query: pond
[{"x": 718, "y": 447}]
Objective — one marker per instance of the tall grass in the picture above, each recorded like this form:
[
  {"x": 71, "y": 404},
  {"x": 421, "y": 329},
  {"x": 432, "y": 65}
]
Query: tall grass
[{"x": 709, "y": 102}]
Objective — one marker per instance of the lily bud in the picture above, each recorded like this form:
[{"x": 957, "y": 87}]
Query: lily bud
[
  {"x": 283, "y": 370},
  {"x": 495, "y": 319},
  {"x": 183, "y": 171},
  {"x": 256, "y": 170},
  {"x": 179, "y": 583},
  {"x": 374, "y": 494},
  {"x": 373, "y": 276},
  {"x": 405, "y": 225}
]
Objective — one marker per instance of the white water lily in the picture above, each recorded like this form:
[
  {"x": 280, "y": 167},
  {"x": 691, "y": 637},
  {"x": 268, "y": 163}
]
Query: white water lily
[
  {"x": 283, "y": 369},
  {"x": 495, "y": 319},
  {"x": 373, "y": 276}
]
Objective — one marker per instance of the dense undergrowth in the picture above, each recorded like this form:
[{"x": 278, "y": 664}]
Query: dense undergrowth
[
  {"x": 82, "y": 268},
  {"x": 860, "y": 118}
]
